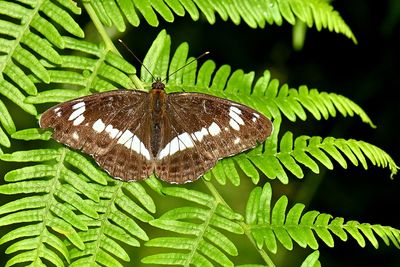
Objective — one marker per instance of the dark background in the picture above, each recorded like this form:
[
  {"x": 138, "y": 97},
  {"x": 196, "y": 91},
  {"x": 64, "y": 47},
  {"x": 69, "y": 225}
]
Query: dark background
[{"x": 367, "y": 73}]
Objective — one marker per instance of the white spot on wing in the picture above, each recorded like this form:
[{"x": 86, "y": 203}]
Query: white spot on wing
[
  {"x": 200, "y": 134},
  {"x": 179, "y": 143},
  {"x": 234, "y": 113},
  {"x": 75, "y": 136},
  {"x": 78, "y": 105},
  {"x": 214, "y": 129},
  {"x": 135, "y": 145},
  {"x": 174, "y": 144},
  {"x": 164, "y": 152},
  {"x": 99, "y": 126},
  {"x": 125, "y": 137},
  {"x": 56, "y": 109},
  {"x": 255, "y": 117},
  {"x": 235, "y": 109},
  {"x": 113, "y": 132},
  {"x": 78, "y": 120},
  {"x": 236, "y": 141},
  {"x": 59, "y": 114},
  {"x": 128, "y": 144},
  {"x": 186, "y": 140},
  {"x": 144, "y": 151},
  {"x": 234, "y": 125},
  {"x": 77, "y": 112}
]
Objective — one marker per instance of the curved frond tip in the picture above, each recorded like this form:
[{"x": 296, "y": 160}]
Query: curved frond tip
[{"x": 272, "y": 223}]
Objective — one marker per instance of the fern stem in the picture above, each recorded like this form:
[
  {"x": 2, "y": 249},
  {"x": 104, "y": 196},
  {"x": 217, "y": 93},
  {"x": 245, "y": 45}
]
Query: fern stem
[
  {"x": 262, "y": 252},
  {"x": 106, "y": 39},
  {"x": 244, "y": 226},
  {"x": 215, "y": 192},
  {"x": 99, "y": 26}
]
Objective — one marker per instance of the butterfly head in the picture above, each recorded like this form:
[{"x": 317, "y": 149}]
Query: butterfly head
[{"x": 158, "y": 85}]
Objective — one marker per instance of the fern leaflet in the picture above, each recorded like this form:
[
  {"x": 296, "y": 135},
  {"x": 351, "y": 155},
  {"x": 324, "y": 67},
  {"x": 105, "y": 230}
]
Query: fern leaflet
[
  {"x": 254, "y": 14},
  {"x": 63, "y": 199},
  {"x": 23, "y": 49},
  {"x": 82, "y": 74},
  {"x": 49, "y": 186},
  {"x": 202, "y": 239},
  {"x": 271, "y": 224}
]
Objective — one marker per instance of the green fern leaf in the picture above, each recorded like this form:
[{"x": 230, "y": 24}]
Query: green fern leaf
[
  {"x": 311, "y": 260},
  {"x": 113, "y": 206},
  {"x": 238, "y": 86},
  {"x": 24, "y": 50},
  {"x": 157, "y": 58},
  {"x": 255, "y": 15},
  {"x": 116, "y": 209},
  {"x": 204, "y": 240},
  {"x": 306, "y": 150},
  {"x": 271, "y": 224},
  {"x": 57, "y": 199},
  {"x": 31, "y": 134},
  {"x": 106, "y": 72}
]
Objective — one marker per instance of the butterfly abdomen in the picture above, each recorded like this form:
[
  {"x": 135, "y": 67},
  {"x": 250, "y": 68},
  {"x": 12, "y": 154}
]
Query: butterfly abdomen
[{"x": 157, "y": 106}]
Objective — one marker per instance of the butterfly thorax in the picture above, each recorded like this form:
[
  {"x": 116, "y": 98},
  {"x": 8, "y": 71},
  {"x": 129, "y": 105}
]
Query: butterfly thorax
[{"x": 157, "y": 106}]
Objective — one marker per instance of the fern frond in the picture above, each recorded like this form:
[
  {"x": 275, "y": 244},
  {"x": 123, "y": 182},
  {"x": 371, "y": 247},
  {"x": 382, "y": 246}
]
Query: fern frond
[
  {"x": 23, "y": 49},
  {"x": 198, "y": 231},
  {"x": 271, "y": 223},
  {"x": 264, "y": 94},
  {"x": 291, "y": 154},
  {"x": 274, "y": 101},
  {"x": 116, "y": 208},
  {"x": 311, "y": 260},
  {"x": 254, "y": 13},
  {"x": 18, "y": 50},
  {"x": 8, "y": 124},
  {"x": 96, "y": 68},
  {"x": 55, "y": 200},
  {"x": 63, "y": 199}
]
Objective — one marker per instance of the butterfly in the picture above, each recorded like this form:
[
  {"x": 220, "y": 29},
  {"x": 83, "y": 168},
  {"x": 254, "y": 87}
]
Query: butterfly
[{"x": 132, "y": 134}]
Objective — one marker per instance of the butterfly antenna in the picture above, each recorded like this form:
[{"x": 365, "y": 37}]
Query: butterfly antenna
[
  {"x": 133, "y": 54},
  {"x": 193, "y": 60}
]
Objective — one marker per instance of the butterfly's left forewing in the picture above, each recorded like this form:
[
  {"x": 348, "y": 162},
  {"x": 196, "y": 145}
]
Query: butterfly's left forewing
[
  {"x": 109, "y": 126},
  {"x": 203, "y": 129}
]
